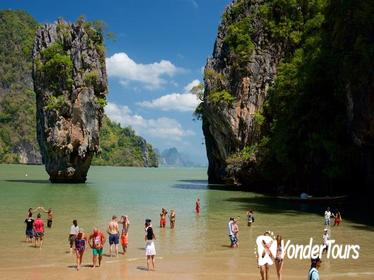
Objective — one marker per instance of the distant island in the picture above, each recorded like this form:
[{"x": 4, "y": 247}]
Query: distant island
[{"x": 173, "y": 158}]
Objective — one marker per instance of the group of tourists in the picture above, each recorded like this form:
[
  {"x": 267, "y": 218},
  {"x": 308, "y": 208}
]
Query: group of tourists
[
  {"x": 35, "y": 228},
  {"x": 163, "y": 215}
]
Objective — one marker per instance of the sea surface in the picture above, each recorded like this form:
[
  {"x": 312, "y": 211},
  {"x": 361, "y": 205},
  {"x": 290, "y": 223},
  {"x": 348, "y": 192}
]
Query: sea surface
[{"x": 140, "y": 193}]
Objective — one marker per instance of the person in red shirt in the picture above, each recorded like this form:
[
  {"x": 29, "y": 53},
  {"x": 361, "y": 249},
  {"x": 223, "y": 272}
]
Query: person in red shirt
[
  {"x": 197, "y": 206},
  {"x": 96, "y": 242},
  {"x": 39, "y": 230}
]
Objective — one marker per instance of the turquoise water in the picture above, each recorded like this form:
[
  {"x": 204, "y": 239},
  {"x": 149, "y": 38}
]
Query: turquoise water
[{"x": 141, "y": 193}]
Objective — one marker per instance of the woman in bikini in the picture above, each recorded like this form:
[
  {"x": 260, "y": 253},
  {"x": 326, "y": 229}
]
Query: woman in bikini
[
  {"x": 172, "y": 218},
  {"x": 125, "y": 232},
  {"x": 279, "y": 257},
  {"x": 80, "y": 247}
]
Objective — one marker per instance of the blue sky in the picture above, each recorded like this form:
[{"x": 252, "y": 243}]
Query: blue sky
[{"x": 159, "y": 51}]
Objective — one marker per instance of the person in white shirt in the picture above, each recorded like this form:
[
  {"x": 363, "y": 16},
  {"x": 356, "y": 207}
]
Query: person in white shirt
[
  {"x": 327, "y": 216},
  {"x": 326, "y": 240},
  {"x": 230, "y": 232},
  {"x": 74, "y": 230},
  {"x": 313, "y": 272}
]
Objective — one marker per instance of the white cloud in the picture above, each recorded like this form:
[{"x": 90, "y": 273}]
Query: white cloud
[
  {"x": 183, "y": 102},
  {"x": 161, "y": 128},
  {"x": 121, "y": 66}
]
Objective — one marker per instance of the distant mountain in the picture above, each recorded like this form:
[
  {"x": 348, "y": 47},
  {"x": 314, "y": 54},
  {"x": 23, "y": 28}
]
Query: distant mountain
[{"x": 172, "y": 157}]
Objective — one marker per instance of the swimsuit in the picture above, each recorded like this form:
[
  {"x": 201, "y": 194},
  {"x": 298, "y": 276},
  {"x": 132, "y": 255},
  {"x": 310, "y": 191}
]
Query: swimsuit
[
  {"x": 80, "y": 245},
  {"x": 114, "y": 239}
]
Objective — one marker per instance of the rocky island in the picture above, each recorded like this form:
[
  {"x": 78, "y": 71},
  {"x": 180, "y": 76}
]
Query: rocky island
[{"x": 70, "y": 83}]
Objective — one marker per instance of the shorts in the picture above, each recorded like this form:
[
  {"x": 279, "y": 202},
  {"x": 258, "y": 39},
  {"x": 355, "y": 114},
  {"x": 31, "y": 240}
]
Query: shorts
[
  {"x": 162, "y": 222},
  {"x": 96, "y": 252},
  {"x": 39, "y": 234},
  {"x": 72, "y": 239},
  {"x": 113, "y": 239},
  {"x": 49, "y": 223},
  {"x": 327, "y": 222},
  {"x": 29, "y": 233},
  {"x": 233, "y": 239},
  {"x": 124, "y": 239}
]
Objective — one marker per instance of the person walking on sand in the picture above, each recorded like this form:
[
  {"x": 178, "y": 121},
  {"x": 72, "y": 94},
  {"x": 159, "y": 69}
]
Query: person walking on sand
[
  {"x": 250, "y": 217},
  {"x": 74, "y": 230},
  {"x": 197, "y": 205},
  {"x": 326, "y": 240},
  {"x": 80, "y": 246},
  {"x": 38, "y": 230},
  {"x": 313, "y": 272},
  {"x": 150, "y": 250},
  {"x": 125, "y": 232},
  {"x": 279, "y": 257},
  {"x": 29, "y": 228},
  {"x": 163, "y": 218},
  {"x": 327, "y": 216},
  {"x": 96, "y": 242},
  {"x": 49, "y": 216},
  {"x": 172, "y": 218},
  {"x": 113, "y": 232}
]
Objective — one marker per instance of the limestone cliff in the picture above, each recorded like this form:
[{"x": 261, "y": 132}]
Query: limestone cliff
[
  {"x": 70, "y": 82},
  {"x": 236, "y": 83},
  {"x": 288, "y": 101}
]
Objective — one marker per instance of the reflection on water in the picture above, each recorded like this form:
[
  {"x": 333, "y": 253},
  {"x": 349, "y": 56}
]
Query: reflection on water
[{"x": 141, "y": 193}]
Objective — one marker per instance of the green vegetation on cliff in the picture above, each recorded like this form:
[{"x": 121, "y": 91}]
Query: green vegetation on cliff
[
  {"x": 121, "y": 147},
  {"x": 17, "y": 99},
  {"x": 18, "y": 144}
]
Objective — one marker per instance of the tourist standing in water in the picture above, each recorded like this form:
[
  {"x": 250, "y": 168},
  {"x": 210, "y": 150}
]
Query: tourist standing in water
[
  {"x": 74, "y": 230},
  {"x": 172, "y": 218},
  {"x": 338, "y": 218},
  {"x": 29, "y": 227},
  {"x": 230, "y": 232},
  {"x": 150, "y": 250},
  {"x": 80, "y": 246},
  {"x": 96, "y": 242},
  {"x": 250, "y": 217},
  {"x": 125, "y": 232},
  {"x": 197, "y": 205},
  {"x": 313, "y": 272},
  {"x": 235, "y": 232},
  {"x": 163, "y": 217},
  {"x": 49, "y": 216},
  {"x": 279, "y": 257},
  {"x": 327, "y": 216},
  {"x": 113, "y": 232},
  {"x": 39, "y": 230}
]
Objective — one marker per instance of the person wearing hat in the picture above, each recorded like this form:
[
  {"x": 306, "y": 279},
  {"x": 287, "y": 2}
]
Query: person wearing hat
[{"x": 313, "y": 272}]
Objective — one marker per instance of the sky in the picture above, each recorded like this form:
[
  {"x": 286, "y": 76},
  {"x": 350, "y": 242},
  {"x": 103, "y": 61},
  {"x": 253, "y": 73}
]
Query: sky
[{"x": 158, "y": 55}]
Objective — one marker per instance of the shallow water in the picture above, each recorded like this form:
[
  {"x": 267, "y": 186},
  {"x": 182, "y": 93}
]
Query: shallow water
[{"x": 141, "y": 193}]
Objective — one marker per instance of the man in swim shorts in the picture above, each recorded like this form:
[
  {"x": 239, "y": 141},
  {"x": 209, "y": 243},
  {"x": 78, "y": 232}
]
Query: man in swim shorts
[
  {"x": 49, "y": 216},
  {"x": 113, "y": 232},
  {"x": 96, "y": 242},
  {"x": 163, "y": 217}
]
